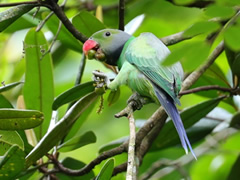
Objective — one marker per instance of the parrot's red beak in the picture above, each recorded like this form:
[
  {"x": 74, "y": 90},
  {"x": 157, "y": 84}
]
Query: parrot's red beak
[{"x": 88, "y": 45}]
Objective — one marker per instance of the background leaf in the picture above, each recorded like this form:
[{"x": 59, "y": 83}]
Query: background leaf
[
  {"x": 38, "y": 88},
  {"x": 106, "y": 171},
  {"x": 9, "y": 86},
  {"x": 232, "y": 37},
  {"x": 12, "y": 163},
  {"x": 12, "y": 119},
  {"x": 4, "y": 103},
  {"x": 78, "y": 141},
  {"x": 8, "y": 139},
  {"x": 87, "y": 24},
  {"x": 12, "y": 14},
  {"x": 73, "y": 94}
]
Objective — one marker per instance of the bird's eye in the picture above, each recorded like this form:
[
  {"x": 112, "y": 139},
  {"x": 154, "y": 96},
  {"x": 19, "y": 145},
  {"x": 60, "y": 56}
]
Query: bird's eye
[{"x": 107, "y": 33}]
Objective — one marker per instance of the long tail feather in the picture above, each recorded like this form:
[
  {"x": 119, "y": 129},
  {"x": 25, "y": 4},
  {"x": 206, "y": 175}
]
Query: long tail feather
[{"x": 170, "y": 107}]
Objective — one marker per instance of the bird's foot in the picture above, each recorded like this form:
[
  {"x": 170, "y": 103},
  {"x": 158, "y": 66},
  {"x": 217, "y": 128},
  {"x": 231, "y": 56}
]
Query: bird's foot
[
  {"x": 100, "y": 79},
  {"x": 137, "y": 101}
]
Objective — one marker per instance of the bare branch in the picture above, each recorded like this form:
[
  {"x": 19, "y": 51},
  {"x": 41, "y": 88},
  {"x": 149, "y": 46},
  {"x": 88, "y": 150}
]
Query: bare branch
[
  {"x": 66, "y": 22},
  {"x": 132, "y": 166},
  {"x": 211, "y": 87},
  {"x": 174, "y": 38},
  {"x": 121, "y": 9}
]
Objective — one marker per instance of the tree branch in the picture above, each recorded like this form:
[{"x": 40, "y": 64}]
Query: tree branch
[
  {"x": 66, "y": 22},
  {"x": 121, "y": 9},
  {"x": 174, "y": 38},
  {"x": 233, "y": 91}
]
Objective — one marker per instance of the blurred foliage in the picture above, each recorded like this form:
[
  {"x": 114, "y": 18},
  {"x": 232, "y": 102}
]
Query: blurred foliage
[{"x": 43, "y": 66}]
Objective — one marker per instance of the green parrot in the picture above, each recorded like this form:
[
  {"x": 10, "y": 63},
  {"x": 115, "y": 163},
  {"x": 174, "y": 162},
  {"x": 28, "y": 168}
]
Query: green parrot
[{"x": 139, "y": 62}]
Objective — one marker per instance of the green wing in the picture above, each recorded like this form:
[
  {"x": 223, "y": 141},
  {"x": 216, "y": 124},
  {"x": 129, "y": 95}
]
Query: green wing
[{"x": 146, "y": 53}]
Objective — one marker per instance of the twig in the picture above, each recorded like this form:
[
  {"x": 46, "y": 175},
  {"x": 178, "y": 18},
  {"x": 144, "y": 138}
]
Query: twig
[
  {"x": 121, "y": 14},
  {"x": 41, "y": 24},
  {"x": 53, "y": 41},
  {"x": 131, "y": 167},
  {"x": 66, "y": 22},
  {"x": 174, "y": 38},
  {"x": 210, "y": 87}
]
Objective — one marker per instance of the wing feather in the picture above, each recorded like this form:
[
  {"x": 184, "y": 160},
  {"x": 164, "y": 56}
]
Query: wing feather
[{"x": 146, "y": 53}]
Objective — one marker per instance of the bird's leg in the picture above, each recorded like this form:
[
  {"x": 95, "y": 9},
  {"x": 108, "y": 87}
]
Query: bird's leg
[
  {"x": 100, "y": 78},
  {"x": 138, "y": 101}
]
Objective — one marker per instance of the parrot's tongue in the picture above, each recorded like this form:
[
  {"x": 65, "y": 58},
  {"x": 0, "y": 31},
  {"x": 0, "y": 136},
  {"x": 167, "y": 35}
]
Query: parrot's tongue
[{"x": 88, "y": 45}]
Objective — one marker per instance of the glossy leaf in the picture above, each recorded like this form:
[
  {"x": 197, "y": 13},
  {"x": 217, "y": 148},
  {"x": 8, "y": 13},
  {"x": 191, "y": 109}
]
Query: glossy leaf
[
  {"x": 169, "y": 137},
  {"x": 233, "y": 60},
  {"x": 235, "y": 173},
  {"x": 12, "y": 14},
  {"x": 74, "y": 164},
  {"x": 4, "y": 103},
  {"x": 232, "y": 38},
  {"x": 9, "y": 86},
  {"x": 73, "y": 94},
  {"x": 12, "y": 119},
  {"x": 38, "y": 88},
  {"x": 191, "y": 55},
  {"x": 202, "y": 27},
  {"x": 12, "y": 163},
  {"x": 64, "y": 36},
  {"x": 77, "y": 142},
  {"x": 51, "y": 138},
  {"x": 112, "y": 144},
  {"x": 24, "y": 22},
  {"x": 87, "y": 24},
  {"x": 219, "y": 11},
  {"x": 106, "y": 171},
  {"x": 113, "y": 96},
  {"x": 8, "y": 139},
  {"x": 78, "y": 124}
]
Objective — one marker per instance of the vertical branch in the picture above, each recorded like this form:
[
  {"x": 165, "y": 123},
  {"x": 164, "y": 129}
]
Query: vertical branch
[
  {"x": 121, "y": 15},
  {"x": 131, "y": 166}
]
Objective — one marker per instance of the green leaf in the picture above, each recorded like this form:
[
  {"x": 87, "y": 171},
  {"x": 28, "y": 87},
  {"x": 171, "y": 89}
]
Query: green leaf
[
  {"x": 233, "y": 60},
  {"x": 106, "y": 171},
  {"x": 77, "y": 142},
  {"x": 9, "y": 86},
  {"x": 232, "y": 38},
  {"x": 218, "y": 11},
  {"x": 12, "y": 14},
  {"x": 4, "y": 103},
  {"x": 183, "y": 2},
  {"x": 73, "y": 94},
  {"x": 202, "y": 27},
  {"x": 235, "y": 121},
  {"x": 74, "y": 129},
  {"x": 64, "y": 36},
  {"x": 24, "y": 22},
  {"x": 112, "y": 144},
  {"x": 113, "y": 96},
  {"x": 8, "y": 139},
  {"x": 191, "y": 55},
  {"x": 235, "y": 173},
  {"x": 12, "y": 163},
  {"x": 169, "y": 137},
  {"x": 87, "y": 24},
  {"x": 12, "y": 119},
  {"x": 38, "y": 88},
  {"x": 61, "y": 128},
  {"x": 74, "y": 164}
]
